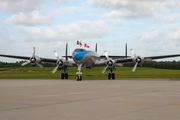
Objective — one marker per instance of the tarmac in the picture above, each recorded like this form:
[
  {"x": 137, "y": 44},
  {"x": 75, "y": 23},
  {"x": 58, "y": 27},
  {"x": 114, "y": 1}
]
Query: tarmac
[{"x": 53, "y": 99}]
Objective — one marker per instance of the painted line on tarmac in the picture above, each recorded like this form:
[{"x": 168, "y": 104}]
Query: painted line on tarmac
[
  {"x": 69, "y": 100},
  {"x": 128, "y": 102},
  {"x": 18, "y": 98},
  {"x": 174, "y": 104}
]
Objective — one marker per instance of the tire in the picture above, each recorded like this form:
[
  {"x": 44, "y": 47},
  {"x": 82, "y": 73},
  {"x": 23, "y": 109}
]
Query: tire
[
  {"x": 62, "y": 76},
  {"x": 77, "y": 78},
  {"x": 109, "y": 76},
  {"x": 113, "y": 76},
  {"x": 66, "y": 75},
  {"x": 80, "y": 78}
]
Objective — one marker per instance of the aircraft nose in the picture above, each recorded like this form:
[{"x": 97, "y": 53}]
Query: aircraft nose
[{"x": 78, "y": 56}]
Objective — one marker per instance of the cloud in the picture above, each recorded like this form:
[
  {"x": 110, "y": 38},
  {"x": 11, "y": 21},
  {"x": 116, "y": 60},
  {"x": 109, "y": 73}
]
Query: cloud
[
  {"x": 163, "y": 40},
  {"x": 116, "y": 22},
  {"x": 66, "y": 10},
  {"x": 73, "y": 31},
  {"x": 155, "y": 9},
  {"x": 32, "y": 18},
  {"x": 126, "y": 14},
  {"x": 16, "y": 6}
]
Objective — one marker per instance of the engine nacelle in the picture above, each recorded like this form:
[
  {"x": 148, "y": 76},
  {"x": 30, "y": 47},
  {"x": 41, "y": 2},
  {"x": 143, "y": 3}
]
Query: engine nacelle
[
  {"x": 139, "y": 60},
  {"x": 35, "y": 59},
  {"x": 60, "y": 63},
  {"x": 110, "y": 63}
]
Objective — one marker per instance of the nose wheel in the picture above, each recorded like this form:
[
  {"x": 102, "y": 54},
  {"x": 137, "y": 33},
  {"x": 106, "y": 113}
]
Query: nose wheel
[{"x": 79, "y": 78}]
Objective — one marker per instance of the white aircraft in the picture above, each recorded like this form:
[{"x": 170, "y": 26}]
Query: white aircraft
[{"x": 87, "y": 57}]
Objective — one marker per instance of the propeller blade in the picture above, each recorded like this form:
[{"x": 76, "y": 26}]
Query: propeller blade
[
  {"x": 133, "y": 53},
  {"x": 39, "y": 65},
  {"x": 104, "y": 69},
  {"x": 105, "y": 52},
  {"x": 33, "y": 53},
  {"x": 55, "y": 69},
  {"x": 25, "y": 63},
  {"x": 135, "y": 66},
  {"x": 56, "y": 55}
]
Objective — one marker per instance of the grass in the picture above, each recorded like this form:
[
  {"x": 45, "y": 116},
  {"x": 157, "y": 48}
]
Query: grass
[{"x": 95, "y": 73}]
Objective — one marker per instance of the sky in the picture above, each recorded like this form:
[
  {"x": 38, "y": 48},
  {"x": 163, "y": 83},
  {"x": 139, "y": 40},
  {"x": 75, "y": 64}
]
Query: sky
[{"x": 149, "y": 27}]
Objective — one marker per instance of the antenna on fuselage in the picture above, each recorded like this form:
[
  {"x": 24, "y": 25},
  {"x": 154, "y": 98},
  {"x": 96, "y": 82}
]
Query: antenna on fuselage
[{"x": 96, "y": 48}]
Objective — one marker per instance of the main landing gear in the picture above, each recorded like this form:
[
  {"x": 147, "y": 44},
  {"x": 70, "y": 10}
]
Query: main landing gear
[
  {"x": 111, "y": 76},
  {"x": 79, "y": 77},
  {"x": 64, "y": 75}
]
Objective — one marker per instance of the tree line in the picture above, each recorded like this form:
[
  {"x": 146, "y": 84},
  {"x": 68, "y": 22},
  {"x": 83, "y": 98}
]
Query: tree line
[
  {"x": 152, "y": 64},
  {"x": 158, "y": 64},
  {"x": 18, "y": 64}
]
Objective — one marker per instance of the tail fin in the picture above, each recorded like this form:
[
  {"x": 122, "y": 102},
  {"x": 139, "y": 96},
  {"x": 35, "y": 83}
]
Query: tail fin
[
  {"x": 96, "y": 48},
  {"x": 66, "y": 51},
  {"x": 126, "y": 51}
]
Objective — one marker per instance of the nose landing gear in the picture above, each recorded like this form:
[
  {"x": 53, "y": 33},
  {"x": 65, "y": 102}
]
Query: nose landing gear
[{"x": 79, "y": 77}]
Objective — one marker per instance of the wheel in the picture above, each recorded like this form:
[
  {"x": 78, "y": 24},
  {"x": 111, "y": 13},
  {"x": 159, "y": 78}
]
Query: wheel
[
  {"x": 109, "y": 76},
  {"x": 77, "y": 78},
  {"x": 113, "y": 76},
  {"x": 80, "y": 78},
  {"x": 62, "y": 76},
  {"x": 66, "y": 76}
]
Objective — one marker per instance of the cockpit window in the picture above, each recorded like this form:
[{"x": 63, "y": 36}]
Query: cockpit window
[{"x": 80, "y": 50}]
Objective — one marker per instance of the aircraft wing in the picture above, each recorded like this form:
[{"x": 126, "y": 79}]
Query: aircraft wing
[
  {"x": 67, "y": 56},
  {"x": 69, "y": 63},
  {"x": 27, "y": 58},
  {"x": 146, "y": 58},
  {"x": 113, "y": 57},
  {"x": 13, "y": 56}
]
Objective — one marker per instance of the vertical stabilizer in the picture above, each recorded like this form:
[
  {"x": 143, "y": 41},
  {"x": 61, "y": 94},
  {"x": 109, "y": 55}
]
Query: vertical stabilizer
[
  {"x": 66, "y": 51},
  {"x": 96, "y": 48},
  {"x": 126, "y": 51}
]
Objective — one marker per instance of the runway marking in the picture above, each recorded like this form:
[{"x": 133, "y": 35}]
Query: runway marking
[
  {"x": 174, "y": 104},
  {"x": 69, "y": 100},
  {"x": 18, "y": 98},
  {"x": 129, "y": 102}
]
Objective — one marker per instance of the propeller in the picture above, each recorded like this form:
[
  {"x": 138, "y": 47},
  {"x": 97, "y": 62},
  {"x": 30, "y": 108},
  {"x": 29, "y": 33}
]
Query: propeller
[
  {"x": 59, "y": 62},
  {"x": 137, "y": 60},
  {"x": 34, "y": 59},
  {"x": 109, "y": 62}
]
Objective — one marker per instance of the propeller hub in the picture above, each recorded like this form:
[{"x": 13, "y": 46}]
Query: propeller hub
[
  {"x": 33, "y": 60},
  {"x": 110, "y": 63},
  {"x": 60, "y": 62},
  {"x": 138, "y": 59}
]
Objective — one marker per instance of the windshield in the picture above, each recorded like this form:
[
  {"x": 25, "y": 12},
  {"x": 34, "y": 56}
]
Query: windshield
[{"x": 80, "y": 50}]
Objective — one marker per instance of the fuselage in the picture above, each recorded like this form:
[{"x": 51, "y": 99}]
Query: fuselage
[{"x": 85, "y": 56}]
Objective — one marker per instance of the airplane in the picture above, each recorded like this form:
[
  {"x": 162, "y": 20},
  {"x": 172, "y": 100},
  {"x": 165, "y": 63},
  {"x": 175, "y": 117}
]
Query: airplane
[{"x": 86, "y": 57}]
